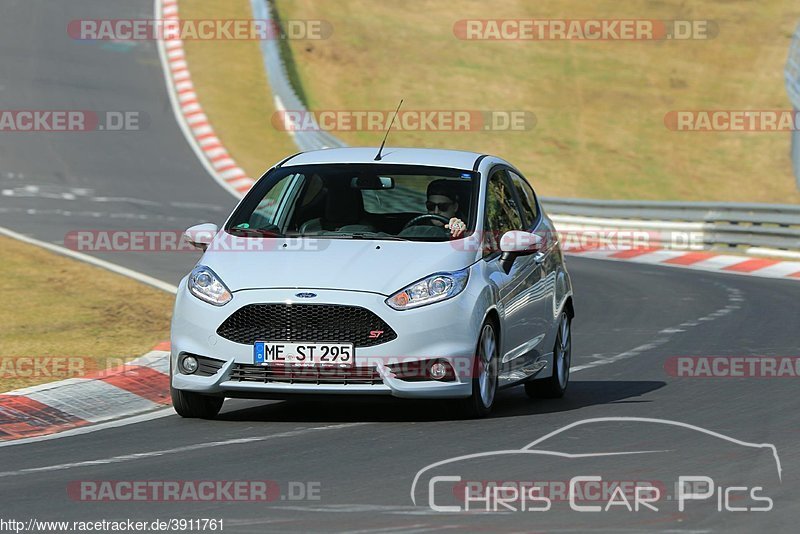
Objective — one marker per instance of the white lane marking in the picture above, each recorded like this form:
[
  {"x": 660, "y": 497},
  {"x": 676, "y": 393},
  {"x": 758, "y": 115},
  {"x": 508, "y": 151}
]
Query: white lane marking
[
  {"x": 671, "y": 331},
  {"x": 734, "y": 299},
  {"x": 48, "y": 190},
  {"x": 94, "y": 214},
  {"x": 636, "y": 351},
  {"x": 127, "y": 200},
  {"x": 164, "y": 412},
  {"x": 60, "y": 193},
  {"x": 114, "y": 268},
  {"x": 408, "y": 529},
  {"x": 197, "y": 206},
  {"x": 176, "y": 450}
]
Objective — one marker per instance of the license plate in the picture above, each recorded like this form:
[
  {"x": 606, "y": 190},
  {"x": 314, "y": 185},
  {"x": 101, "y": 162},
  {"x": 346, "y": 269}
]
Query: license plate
[{"x": 337, "y": 354}]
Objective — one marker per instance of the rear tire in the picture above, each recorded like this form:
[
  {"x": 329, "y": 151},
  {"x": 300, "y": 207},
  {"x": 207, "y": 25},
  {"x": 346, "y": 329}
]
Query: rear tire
[
  {"x": 194, "y": 405},
  {"x": 485, "y": 372},
  {"x": 555, "y": 386}
]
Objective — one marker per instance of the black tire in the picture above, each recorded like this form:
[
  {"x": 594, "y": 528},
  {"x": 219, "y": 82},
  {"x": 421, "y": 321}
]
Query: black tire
[
  {"x": 556, "y": 385},
  {"x": 194, "y": 405},
  {"x": 480, "y": 404}
]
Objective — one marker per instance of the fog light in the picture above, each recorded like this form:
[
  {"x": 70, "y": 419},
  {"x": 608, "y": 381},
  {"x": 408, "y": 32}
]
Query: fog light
[
  {"x": 189, "y": 364},
  {"x": 438, "y": 371}
]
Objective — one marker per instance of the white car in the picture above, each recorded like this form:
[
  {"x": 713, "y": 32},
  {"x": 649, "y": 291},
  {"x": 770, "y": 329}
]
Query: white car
[{"x": 423, "y": 274}]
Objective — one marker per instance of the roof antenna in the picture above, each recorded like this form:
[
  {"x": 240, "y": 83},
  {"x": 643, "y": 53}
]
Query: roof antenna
[{"x": 378, "y": 157}]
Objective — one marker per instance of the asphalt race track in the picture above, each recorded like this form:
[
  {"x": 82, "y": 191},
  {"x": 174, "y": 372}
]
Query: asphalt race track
[
  {"x": 361, "y": 458},
  {"x": 122, "y": 180}
]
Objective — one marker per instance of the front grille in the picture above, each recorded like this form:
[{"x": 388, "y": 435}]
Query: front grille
[
  {"x": 331, "y": 323},
  {"x": 286, "y": 374}
]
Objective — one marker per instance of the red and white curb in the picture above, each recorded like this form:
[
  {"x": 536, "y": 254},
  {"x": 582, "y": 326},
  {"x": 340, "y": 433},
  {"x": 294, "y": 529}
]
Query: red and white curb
[
  {"x": 140, "y": 386},
  {"x": 702, "y": 261},
  {"x": 194, "y": 122}
]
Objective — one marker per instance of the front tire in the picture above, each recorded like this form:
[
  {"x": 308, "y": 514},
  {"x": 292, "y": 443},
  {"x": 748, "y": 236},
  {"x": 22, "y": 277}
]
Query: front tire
[
  {"x": 485, "y": 372},
  {"x": 194, "y": 405},
  {"x": 555, "y": 386}
]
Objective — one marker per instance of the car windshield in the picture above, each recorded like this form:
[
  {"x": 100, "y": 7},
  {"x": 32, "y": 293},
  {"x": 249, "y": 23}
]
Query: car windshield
[{"x": 358, "y": 201}]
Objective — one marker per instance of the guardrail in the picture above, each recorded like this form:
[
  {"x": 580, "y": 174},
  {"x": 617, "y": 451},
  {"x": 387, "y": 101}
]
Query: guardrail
[
  {"x": 283, "y": 93},
  {"x": 771, "y": 229},
  {"x": 792, "y": 71},
  {"x": 768, "y": 229}
]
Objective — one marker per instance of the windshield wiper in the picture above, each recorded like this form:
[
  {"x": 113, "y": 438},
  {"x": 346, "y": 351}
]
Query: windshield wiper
[
  {"x": 253, "y": 232},
  {"x": 355, "y": 235},
  {"x": 375, "y": 235}
]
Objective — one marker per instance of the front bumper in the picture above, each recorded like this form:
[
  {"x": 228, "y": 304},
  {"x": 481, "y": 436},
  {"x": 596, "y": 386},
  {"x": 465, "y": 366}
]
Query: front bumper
[{"x": 445, "y": 330}]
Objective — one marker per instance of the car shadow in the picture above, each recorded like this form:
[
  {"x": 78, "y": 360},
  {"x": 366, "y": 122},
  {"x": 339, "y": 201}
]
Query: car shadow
[{"x": 509, "y": 403}]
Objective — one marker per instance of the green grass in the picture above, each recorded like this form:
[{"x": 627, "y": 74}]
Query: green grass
[
  {"x": 600, "y": 105},
  {"x": 57, "y": 307}
]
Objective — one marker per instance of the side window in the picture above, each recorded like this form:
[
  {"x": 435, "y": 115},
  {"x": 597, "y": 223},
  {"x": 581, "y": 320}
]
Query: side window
[
  {"x": 526, "y": 197},
  {"x": 501, "y": 212}
]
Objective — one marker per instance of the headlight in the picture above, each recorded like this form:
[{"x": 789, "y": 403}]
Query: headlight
[
  {"x": 435, "y": 288},
  {"x": 206, "y": 285}
]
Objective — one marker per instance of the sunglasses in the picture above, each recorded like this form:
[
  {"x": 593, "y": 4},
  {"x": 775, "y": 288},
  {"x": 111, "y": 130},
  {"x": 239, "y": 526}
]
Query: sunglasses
[{"x": 441, "y": 206}]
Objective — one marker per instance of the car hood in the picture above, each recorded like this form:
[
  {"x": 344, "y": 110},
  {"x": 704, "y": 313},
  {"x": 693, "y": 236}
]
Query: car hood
[{"x": 349, "y": 264}]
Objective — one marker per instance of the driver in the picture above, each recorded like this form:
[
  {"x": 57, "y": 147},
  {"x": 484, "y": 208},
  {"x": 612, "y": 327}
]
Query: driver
[{"x": 443, "y": 201}]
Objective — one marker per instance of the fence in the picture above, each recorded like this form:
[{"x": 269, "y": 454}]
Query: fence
[
  {"x": 283, "y": 93},
  {"x": 772, "y": 229}
]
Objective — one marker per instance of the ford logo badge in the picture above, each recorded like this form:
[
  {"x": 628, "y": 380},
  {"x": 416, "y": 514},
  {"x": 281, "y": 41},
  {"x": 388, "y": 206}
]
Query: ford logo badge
[{"x": 306, "y": 295}]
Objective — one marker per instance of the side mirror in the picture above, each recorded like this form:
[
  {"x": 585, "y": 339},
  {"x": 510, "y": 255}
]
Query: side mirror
[
  {"x": 518, "y": 243},
  {"x": 200, "y": 235}
]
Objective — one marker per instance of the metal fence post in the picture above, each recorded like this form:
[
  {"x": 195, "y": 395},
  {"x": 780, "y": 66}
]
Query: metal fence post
[
  {"x": 796, "y": 150},
  {"x": 792, "y": 73}
]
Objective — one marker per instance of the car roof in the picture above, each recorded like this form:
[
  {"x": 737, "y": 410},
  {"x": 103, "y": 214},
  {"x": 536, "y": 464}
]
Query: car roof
[{"x": 434, "y": 157}]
